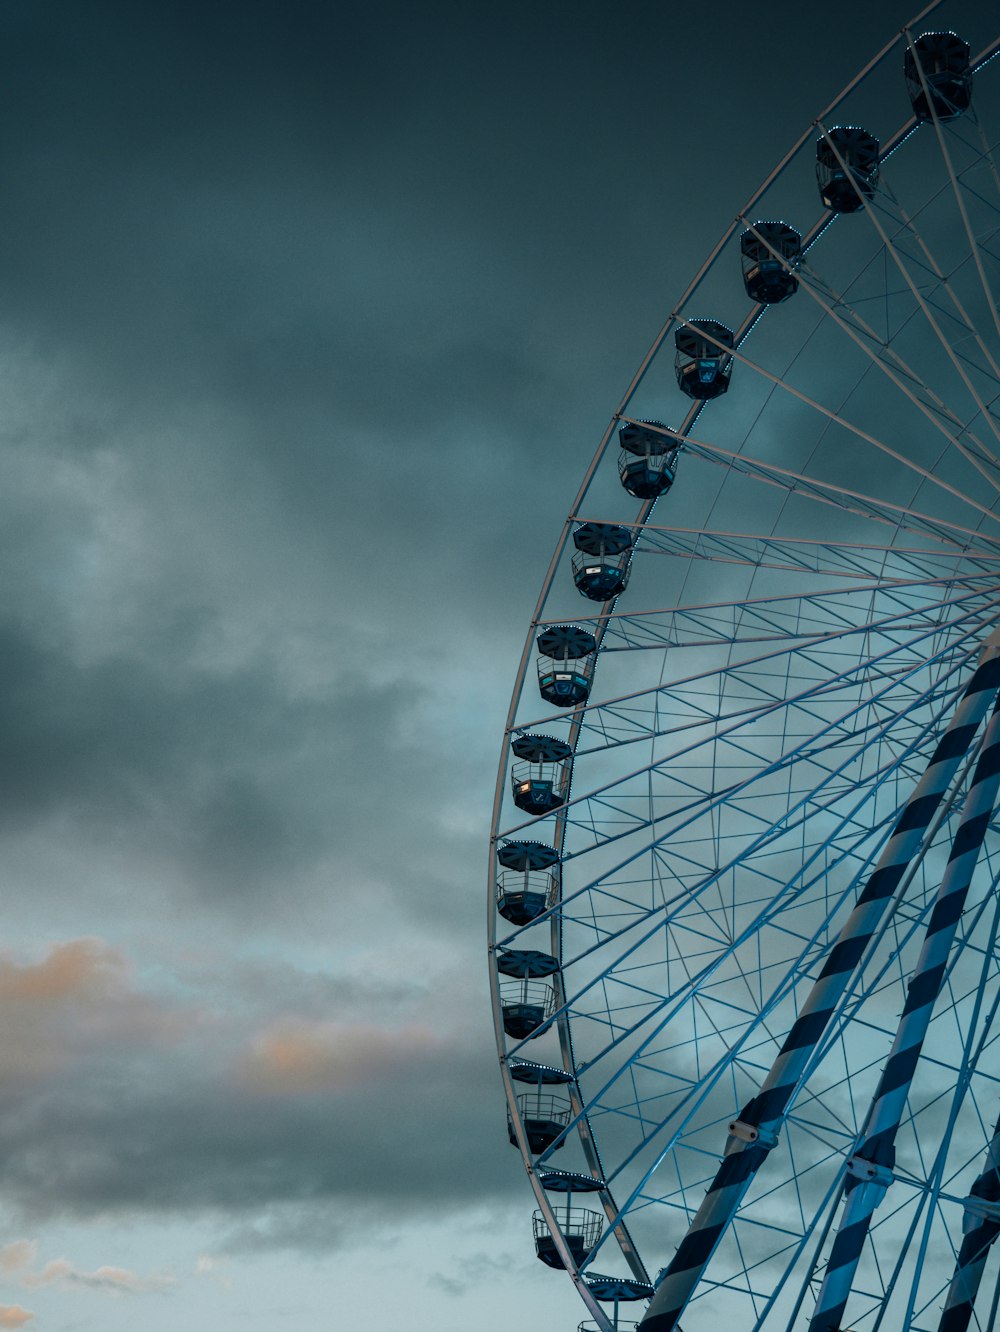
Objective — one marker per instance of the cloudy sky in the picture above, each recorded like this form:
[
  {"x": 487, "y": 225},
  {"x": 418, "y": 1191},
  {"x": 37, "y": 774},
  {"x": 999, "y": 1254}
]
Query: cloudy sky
[{"x": 311, "y": 316}]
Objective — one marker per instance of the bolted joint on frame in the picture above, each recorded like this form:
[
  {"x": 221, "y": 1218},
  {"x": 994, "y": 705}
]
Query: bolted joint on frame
[
  {"x": 762, "y": 1137},
  {"x": 978, "y": 1210},
  {"x": 870, "y": 1172}
]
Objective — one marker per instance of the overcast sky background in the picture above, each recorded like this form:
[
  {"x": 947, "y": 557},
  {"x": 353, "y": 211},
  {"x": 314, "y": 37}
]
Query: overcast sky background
[{"x": 311, "y": 316}]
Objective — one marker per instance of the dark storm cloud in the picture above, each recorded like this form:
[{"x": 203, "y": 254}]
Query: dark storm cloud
[
  {"x": 232, "y": 176},
  {"x": 342, "y": 290},
  {"x": 426, "y": 1131},
  {"x": 232, "y": 774},
  {"x": 372, "y": 211},
  {"x": 477, "y": 1268},
  {"x": 268, "y": 1099},
  {"x": 364, "y": 242}
]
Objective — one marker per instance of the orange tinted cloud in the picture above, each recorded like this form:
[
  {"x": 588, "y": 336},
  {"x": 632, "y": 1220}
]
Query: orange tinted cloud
[
  {"x": 79, "y": 998},
  {"x": 119, "y": 1280},
  {"x": 111, "y": 1280},
  {"x": 12, "y": 1315},
  {"x": 15, "y": 1257},
  {"x": 77, "y": 969},
  {"x": 297, "y": 1055}
]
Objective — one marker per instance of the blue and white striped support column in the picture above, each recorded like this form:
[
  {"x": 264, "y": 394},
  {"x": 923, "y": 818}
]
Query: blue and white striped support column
[
  {"x": 980, "y": 1228},
  {"x": 755, "y": 1133},
  {"x": 869, "y": 1172}
]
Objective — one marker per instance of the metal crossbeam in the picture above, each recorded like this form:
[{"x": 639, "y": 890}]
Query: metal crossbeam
[
  {"x": 755, "y": 1133},
  {"x": 869, "y": 1172}
]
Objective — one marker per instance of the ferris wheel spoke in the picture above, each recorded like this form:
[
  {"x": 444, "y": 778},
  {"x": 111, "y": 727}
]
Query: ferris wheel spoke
[
  {"x": 773, "y": 904},
  {"x": 966, "y": 323},
  {"x": 882, "y": 357},
  {"x": 934, "y": 278},
  {"x": 761, "y": 701},
  {"x": 617, "y": 815},
  {"x": 872, "y": 213},
  {"x": 896, "y": 516},
  {"x": 788, "y": 617},
  {"x": 956, "y": 188},
  {"x": 713, "y": 935},
  {"x": 803, "y": 945},
  {"x": 694, "y": 801},
  {"x": 871, "y": 1166},
  {"x": 865, "y": 831},
  {"x": 905, "y": 224},
  {"x": 799, "y": 1118},
  {"x": 987, "y": 154},
  {"x": 777, "y": 897},
  {"x": 837, "y": 418},
  {"x": 692, "y": 700},
  {"x": 756, "y": 1130},
  {"x": 811, "y": 556}
]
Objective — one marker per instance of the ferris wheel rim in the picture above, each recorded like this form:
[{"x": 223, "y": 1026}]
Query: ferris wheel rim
[{"x": 605, "y": 616}]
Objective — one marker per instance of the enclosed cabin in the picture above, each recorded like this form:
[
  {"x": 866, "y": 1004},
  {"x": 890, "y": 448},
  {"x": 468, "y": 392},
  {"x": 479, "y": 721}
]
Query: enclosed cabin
[
  {"x": 617, "y": 1291},
  {"x": 526, "y": 1006},
  {"x": 544, "y": 1114},
  {"x": 526, "y": 886},
  {"x": 526, "y": 1003},
  {"x": 580, "y": 1229},
  {"x": 769, "y": 251},
  {"x": 702, "y": 361},
  {"x": 540, "y": 782},
  {"x": 602, "y": 561},
  {"x": 566, "y": 664},
  {"x": 846, "y": 168},
  {"x": 647, "y": 463},
  {"x": 938, "y": 76}
]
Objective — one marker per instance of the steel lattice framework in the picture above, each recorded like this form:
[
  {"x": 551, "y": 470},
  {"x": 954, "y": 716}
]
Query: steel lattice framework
[{"x": 743, "y": 879}]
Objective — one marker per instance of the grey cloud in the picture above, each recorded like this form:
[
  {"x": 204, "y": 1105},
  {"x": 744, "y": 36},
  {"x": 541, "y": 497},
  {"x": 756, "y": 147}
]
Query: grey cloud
[
  {"x": 115, "y": 1145},
  {"x": 230, "y": 773},
  {"x": 341, "y": 289},
  {"x": 476, "y": 1268},
  {"x": 315, "y": 995}
]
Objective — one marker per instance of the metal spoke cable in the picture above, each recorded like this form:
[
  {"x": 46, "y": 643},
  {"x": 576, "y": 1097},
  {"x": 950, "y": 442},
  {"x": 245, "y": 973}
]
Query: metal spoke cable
[
  {"x": 869, "y": 1171},
  {"x": 949, "y": 289},
  {"x": 963, "y": 607},
  {"x": 933, "y": 411},
  {"x": 666, "y": 1039},
  {"x": 956, "y": 188},
  {"x": 834, "y": 728},
  {"x": 897, "y": 516},
  {"x": 755, "y": 1132},
  {"x": 939, "y": 335},
  {"x": 838, "y": 419}
]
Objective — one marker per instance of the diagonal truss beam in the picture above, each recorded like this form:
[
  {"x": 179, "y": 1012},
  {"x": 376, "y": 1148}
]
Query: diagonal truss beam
[
  {"x": 869, "y": 1172},
  {"x": 755, "y": 1133}
]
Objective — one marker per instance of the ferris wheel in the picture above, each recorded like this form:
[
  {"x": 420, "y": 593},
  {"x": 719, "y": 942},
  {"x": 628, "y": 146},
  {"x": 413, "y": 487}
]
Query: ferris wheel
[{"x": 745, "y": 856}]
